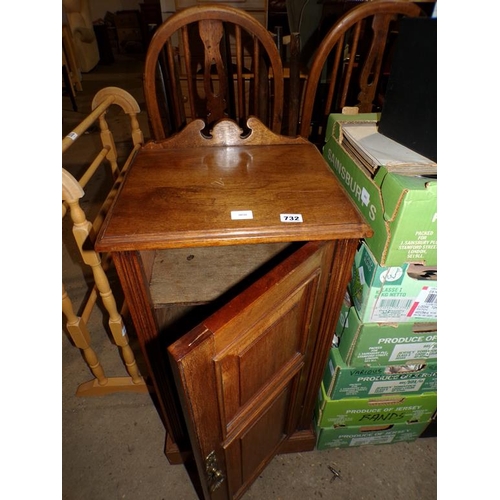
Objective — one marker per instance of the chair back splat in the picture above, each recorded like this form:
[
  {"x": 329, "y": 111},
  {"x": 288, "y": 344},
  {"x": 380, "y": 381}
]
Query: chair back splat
[
  {"x": 212, "y": 62},
  {"x": 351, "y": 65}
]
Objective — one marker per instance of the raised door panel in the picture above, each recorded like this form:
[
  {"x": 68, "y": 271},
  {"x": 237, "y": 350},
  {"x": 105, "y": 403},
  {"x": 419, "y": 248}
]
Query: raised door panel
[
  {"x": 242, "y": 373},
  {"x": 266, "y": 354}
]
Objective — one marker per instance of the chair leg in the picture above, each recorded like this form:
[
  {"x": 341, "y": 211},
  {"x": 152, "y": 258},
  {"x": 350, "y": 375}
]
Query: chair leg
[{"x": 69, "y": 87}]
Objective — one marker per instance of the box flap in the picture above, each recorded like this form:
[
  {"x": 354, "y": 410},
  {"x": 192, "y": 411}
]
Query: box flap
[
  {"x": 413, "y": 189},
  {"x": 335, "y": 119}
]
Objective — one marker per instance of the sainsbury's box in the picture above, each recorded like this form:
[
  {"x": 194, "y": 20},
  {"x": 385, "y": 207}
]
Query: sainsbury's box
[
  {"x": 346, "y": 437},
  {"x": 389, "y": 409},
  {"x": 392, "y": 294},
  {"x": 377, "y": 344},
  {"x": 343, "y": 381},
  {"x": 399, "y": 204}
]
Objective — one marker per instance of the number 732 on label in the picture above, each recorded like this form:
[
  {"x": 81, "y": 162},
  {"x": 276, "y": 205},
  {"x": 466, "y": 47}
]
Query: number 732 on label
[{"x": 291, "y": 218}]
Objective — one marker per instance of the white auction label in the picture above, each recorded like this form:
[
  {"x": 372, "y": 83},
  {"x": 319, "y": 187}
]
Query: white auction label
[
  {"x": 291, "y": 218},
  {"x": 241, "y": 214},
  {"x": 72, "y": 136}
]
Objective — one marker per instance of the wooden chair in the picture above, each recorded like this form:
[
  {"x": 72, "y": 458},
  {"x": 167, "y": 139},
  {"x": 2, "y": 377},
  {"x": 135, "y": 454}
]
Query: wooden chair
[
  {"x": 212, "y": 62},
  {"x": 350, "y": 63}
]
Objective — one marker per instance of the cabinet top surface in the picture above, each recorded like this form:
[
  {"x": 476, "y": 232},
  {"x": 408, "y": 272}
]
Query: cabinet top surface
[{"x": 227, "y": 195}]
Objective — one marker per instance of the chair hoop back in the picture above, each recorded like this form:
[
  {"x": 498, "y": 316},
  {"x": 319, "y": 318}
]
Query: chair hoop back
[
  {"x": 202, "y": 54},
  {"x": 365, "y": 28}
]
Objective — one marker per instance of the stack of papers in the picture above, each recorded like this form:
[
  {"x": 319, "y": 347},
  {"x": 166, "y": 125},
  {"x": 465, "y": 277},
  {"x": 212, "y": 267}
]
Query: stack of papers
[{"x": 372, "y": 149}]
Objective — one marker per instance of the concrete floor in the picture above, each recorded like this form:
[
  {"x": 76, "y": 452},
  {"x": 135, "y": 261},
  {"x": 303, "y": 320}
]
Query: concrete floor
[{"x": 113, "y": 445}]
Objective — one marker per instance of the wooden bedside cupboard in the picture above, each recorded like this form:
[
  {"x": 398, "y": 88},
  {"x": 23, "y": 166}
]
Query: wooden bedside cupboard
[{"x": 234, "y": 255}]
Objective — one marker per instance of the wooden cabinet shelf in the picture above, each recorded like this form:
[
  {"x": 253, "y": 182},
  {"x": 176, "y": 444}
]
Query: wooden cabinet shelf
[{"x": 202, "y": 275}]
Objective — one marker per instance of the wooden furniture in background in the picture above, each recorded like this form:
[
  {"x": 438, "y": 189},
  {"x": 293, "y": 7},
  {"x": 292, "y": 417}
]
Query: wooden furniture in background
[
  {"x": 349, "y": 63},
  {"x": 68, "y": 84},
  {"x": 234, "y": 254},
  {"x": 256, "y": 8},
  {"x": 77, "y": 16},
  {"x": 212, "y": 62},
  {"x": 129, "y": 30},
  {"x": 69, "y": 56},
  {"x": 84, "y": 231},
  {"x": 71, "y": 72},
  {"x": 150, "y": 19}
]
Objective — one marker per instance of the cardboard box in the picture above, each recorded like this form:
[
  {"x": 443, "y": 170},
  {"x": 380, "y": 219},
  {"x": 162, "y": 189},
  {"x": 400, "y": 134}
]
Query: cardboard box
[
  {"x": 391, "y": 409},
  {"x": 401, "y": 209},
  {"x": 343, "y": 381},
  {"x": 346, "y": 437},
  {"x": 397, "y": 294},
  {"x": 376, "y": 344}
]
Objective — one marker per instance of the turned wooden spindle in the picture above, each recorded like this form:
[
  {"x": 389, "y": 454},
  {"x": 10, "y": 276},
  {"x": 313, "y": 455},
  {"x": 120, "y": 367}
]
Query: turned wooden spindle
[{"x": 79, "y": 333}]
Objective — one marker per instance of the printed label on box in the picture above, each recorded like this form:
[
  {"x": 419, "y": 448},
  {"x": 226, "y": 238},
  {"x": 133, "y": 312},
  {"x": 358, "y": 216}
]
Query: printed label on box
[
  {"x": 394, "y": 309},
  {"x": 425, "y": 305},
  {"x": 361, "y": 441},
  {"x": 404, "y": 352},
  {"x": 393, "y": 387}
]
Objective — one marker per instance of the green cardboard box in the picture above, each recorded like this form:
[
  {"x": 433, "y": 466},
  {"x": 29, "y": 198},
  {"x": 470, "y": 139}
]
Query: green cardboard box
[
  {"x": 397, "y": 294},
  {"x": 376, "y": 344},
  {"x": 346, "y": 437},
  {"x": 390, "y": 409},
  {"x": 401, "y": 209},
  {"x": 343, "y": 381}
]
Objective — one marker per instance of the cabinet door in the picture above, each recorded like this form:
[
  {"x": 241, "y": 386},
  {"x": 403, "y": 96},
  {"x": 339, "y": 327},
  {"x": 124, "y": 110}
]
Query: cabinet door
[{"x": 242, "y": 374}]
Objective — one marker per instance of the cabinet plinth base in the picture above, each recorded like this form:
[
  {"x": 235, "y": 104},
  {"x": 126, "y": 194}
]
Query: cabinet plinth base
[
  {"x": 300, "y": 441},
  {"x": 174, "y": 456}
]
